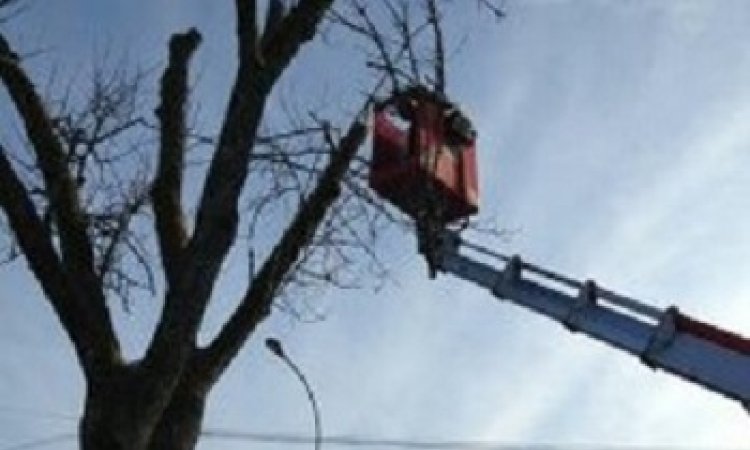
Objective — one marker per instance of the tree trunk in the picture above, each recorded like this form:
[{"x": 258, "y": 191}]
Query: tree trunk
[
  {"x": 112, "y": 420},
  {"x": 128, "y": 411},
  {"x": 180, "y": 424}
]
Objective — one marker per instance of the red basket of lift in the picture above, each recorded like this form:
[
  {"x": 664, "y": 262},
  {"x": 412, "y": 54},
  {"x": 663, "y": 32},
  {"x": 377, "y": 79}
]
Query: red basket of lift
[{"x": 423, "y": 147}]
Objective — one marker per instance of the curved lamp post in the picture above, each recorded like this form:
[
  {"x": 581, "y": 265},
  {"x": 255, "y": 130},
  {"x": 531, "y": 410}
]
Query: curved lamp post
[{"x": 274, "y": 345}]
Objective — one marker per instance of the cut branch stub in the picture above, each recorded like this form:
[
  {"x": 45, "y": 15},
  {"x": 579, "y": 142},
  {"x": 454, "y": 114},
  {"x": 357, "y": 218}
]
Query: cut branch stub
[{"x": 167, "y": 188}]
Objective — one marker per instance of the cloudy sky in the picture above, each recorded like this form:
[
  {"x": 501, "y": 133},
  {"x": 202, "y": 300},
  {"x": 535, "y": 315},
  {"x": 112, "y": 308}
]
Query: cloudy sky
[{"x": 613, "y": 141}]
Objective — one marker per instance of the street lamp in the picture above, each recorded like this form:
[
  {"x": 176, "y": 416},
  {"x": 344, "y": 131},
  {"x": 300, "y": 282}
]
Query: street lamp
[{"x": 274, "y": 345}]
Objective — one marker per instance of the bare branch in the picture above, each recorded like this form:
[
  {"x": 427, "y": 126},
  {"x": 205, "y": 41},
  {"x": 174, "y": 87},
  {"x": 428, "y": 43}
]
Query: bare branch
[
  {"x": 87, "y": 326},
  {"x": 218, "y": 216},
  {"x": 435, "y": 19},
  {"x": 101, "y": 136},
  {"x": 401, "y": 22},
  {"x": 76, "y": 248},
  {"x": 379, "y": 41},
  {"x": 77, "y": 254},
  {"x": 275, "y": 13},
  {"x": 115, "y": 227},
  {"x": 297, "y": 27},
  {"x": 261, "y": 140},
  {"x": 256, "y": 304},
  {"x": 11, "y": 9},
  {"x": 167, "y": 187},
  {"x": 247, "y": 29},
  {"x": 391, "y": 46},
  {"x": 497, "y": 10}
]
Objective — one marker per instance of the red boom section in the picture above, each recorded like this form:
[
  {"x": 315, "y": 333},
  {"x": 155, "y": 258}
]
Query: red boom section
[
  {"x": 427, "y": 157},
  {"x": 712, "y": 333}
]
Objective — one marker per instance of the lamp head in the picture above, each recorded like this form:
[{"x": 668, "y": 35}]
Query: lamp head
[{"x": 274, "y": 345}]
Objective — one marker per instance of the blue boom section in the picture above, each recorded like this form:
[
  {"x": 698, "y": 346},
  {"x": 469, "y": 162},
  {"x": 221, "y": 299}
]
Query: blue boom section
[{"x": 658, "y": 338}]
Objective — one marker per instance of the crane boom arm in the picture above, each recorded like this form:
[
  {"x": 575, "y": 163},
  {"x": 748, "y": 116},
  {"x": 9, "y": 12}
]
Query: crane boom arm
[{"x": 662, "y": 339}]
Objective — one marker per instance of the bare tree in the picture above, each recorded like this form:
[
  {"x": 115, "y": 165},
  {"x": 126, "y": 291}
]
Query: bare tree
[{"x": 83, "y": 201}]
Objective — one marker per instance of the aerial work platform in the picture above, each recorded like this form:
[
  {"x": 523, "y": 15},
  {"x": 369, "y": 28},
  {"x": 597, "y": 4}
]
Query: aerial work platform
[{"x": 424, "y": 156}]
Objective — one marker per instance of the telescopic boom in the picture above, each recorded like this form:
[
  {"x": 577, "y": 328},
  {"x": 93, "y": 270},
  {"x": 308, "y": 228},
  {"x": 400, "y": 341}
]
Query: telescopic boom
[{"x": 662, "y": 339}]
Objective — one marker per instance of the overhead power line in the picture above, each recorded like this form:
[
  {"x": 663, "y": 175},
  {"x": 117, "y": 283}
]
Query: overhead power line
[
  {"x": 44, "y": 442},
  {"x": 364, "y": 441},
  {"x": 38, "y": 414}
]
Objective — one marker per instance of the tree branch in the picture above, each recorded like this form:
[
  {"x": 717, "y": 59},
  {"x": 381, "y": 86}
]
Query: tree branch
[
  {"x": 167, "y": 188},
  {"x": 77, "y": 253},
  {"x": 379, "y": 41},
  {"x": 274, "y": 15},
  {"x": 218, "y": 216},
  {"x": 495, "y": 9},
  {"x": 401, "y": 22},
  {"x": 76, "y": 248},
  {"x": 435, "y": 20},
  {"x": 88, "y": 327},
  {"x": 256, "y": 304},
  {"x": 247, "y": 28},
  {"x": 296, "y": 28}
]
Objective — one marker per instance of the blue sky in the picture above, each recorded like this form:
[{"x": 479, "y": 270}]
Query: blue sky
[{"x": 613, "y": 138}]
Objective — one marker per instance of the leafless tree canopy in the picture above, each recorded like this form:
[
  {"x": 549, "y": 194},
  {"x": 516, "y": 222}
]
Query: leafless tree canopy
[{"x": 99, "y": 181}]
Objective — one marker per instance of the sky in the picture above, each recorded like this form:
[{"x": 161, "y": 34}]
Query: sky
[{"x": 613, "y": 144}]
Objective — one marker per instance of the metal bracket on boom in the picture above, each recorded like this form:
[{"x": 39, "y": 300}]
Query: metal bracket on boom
[
  {"x": 662, "y": 338},
  {"x": 508, "y": 276},
  {"x": 587, "y": 296}
]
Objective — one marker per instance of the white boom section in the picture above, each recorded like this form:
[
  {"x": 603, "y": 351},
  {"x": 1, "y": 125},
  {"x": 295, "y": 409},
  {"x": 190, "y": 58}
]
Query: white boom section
[{"x": 627, "y": 324}]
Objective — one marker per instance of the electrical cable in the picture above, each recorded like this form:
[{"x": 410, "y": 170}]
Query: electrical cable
[
  {"x": 38, "y": 414},
  {"x": 396, "y": 443},
  {"x": 43, "y": 442},
  {"x": 364, "y": 441}
]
